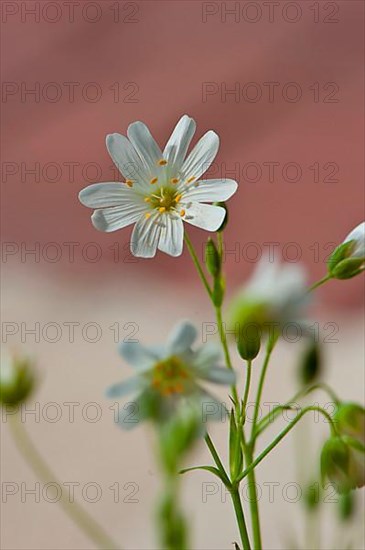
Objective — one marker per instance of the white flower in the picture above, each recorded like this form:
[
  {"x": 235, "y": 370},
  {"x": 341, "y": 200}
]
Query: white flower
[
  {"x": 162, "y": 189},
  {"x": 358, "y": 236},
  {"x": 168, "y": 378}
]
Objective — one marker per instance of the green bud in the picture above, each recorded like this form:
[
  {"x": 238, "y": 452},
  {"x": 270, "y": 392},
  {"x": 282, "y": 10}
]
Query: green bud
[
  {"x": 347, "y": 505},
  {"x": 350, "y": 420},
  {"x": 212, "y": 259},
  {"x": 310, "y": 367},
  {"x": 343, "y": 463},
  {"x": 225, "y": 221},
  {"x": 17, "y": 379},
  {"x": 249, "y": 341},
  {"x": 342, "y": 265}
]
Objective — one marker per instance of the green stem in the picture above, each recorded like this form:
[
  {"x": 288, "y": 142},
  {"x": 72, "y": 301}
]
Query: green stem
[
  {"x": 266, "y": 420},
  {"x": 254, "y": 505},
  {"x": 199, "y": 268},
  {"x": 282, "y": 434},
  {"x": 319, "y": 283},
  {"x": 247, "y": 386},
  {"x": 42, "y": 470},
  {"x": 227, "y": 357},
  {"x": 240, "y": 518},
  {"x": 270, "y": 346}
]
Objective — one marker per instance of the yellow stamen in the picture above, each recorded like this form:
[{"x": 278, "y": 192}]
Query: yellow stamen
[
  {"x": 191, "y": 179},
  {"x": 178, "y": 198},
  {"x": 153, "y": 180},
  {"x": 174, "y": 180},
  {"x": 147, "y": 199},
  {"x": 182, "y": 213},
  {"x": 162, "y": 209},
  {"x": 147, "y": 215},
  {"x": 129, "y": 183},
  {"x": 162, "y": 162}
]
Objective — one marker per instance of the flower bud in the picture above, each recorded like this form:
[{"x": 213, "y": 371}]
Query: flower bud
[
  {"x": 348, "y": 259},
  {"x": 16, "y": 379},
  {"x": 343, "y": 463},
  {"x": 310, "y": 366},
  {"x": 249, "y": 341},
  {"x": 212, "y": 259},
  {"x": 218, "y": 291},
  {"x": 347, "y": 505},
  {"x": 350, "y": 420}
]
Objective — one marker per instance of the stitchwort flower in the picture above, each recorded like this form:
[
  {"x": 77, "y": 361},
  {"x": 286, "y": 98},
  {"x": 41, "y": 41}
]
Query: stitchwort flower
[
  {"x": 161, "y": 189},
  {"x": 168, "y": 379}
]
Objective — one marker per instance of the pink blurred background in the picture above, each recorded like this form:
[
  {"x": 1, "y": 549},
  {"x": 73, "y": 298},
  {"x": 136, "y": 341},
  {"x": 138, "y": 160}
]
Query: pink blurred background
[{"x": 154, "y": 61}]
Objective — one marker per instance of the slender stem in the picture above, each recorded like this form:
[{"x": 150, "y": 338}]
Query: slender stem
[
  {"x": 247, "y": 386},
  {"x": 199, "y": 268},
  {"x": 254, "y": 505},
  {"x": 240, "y": 518},
  {"x": 282, "y": 434},
  {"x": 270, "y": 417},
  {"x": 319, "y": 283},
  {"x": 42, "y": 470},
  {"x": 269, "y": 348},
  {"x": 227, "y": 357}
]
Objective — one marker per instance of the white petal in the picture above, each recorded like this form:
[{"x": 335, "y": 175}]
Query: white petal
[
  {"x": 219, "y": 375},
  {"x": 123, "y": 388},
  {"x": 211, "y": 190},
  {"x": 202, "y": 156},
  {"x": 101, "y": 195},
  {"x": 145, "y": 145},
  {"x": 125, "y": 158},
  {"x": 178, "y": 144},
  {"x": 172, "y": 236},
  {"x": 207, "y": 356},
  {"x": 205, "y": 216},
  {"x": 358, "y": 235},
  {"x": 145, "y": 237},
  {"x": 182, "y": 337},
  {"x": 137, "y": 355},
  {"x": 117, "y": 217},
  {"x": 210, "y": 407}
]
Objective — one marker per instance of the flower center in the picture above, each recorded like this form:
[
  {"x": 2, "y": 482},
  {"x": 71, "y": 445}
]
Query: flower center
[
  {"x": 164, "y": 199},
  {"x": 170, "y": 376}
]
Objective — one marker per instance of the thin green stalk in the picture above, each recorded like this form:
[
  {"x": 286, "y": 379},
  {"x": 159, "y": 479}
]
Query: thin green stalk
[
  {"x": 240, "y": 518},
  {"x": 252, "y": 491},
  {"x": 42, "y": 470},
  {"x": 319, "y": 283},
  {"x": 199, "y": 268},
  {"x": 270, "y": 417},
  {"x": 227, "y": 357},
  {"x": 247, "y": 386},
  {"x": 282, "y": 434},
  {"x": 269, "y": 349}
]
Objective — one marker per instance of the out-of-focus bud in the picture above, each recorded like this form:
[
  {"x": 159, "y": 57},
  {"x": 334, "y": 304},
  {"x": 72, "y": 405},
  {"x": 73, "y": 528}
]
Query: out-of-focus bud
[
  {"x": 343, "y": 463},
  {"x": 275, "y": 295},
  {"x": 17, "y": 379},
  {"x": 310, "y": 365},
  {"x": 348, "y": 259},
  {"x": 350, "y": 420},
  {"x": 312, "y": 496},
  {"x": 226, "y": 218},
  {"x": 212, "y": 259},
  {"x": 347, "y": 505},
  {"x": 249, "y": 341}
]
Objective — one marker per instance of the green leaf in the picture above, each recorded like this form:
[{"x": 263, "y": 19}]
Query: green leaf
[{"x": 210, "y": 469}]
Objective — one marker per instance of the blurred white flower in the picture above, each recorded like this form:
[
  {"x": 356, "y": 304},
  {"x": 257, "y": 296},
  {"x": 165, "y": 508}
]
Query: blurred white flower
[
  {"x": 168, "y": 378},
  {"x": 348, "y": 259},
  {"x": 162, "y": 189}
]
